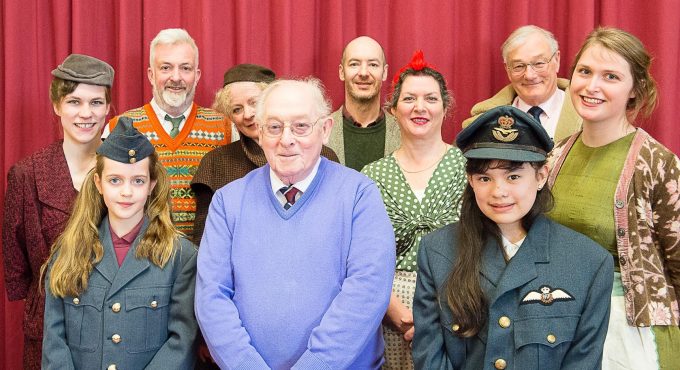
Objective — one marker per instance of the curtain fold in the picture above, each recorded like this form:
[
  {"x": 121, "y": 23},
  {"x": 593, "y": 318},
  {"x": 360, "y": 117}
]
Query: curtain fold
[{"x": 295, "y": 38}]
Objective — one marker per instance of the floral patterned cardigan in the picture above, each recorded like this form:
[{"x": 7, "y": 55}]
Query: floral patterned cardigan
[{"x": 647, "y": 215}]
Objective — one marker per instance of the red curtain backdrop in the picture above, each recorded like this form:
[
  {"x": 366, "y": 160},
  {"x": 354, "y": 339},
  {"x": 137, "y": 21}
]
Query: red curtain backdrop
[{"x": 295, "y": 38}]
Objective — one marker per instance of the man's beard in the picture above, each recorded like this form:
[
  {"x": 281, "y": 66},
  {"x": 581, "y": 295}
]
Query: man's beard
[{"x": 170, "y": 99}]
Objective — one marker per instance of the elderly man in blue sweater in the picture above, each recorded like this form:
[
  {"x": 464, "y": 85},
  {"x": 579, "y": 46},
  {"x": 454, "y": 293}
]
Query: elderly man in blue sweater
[{"x": 297, "y": 258}]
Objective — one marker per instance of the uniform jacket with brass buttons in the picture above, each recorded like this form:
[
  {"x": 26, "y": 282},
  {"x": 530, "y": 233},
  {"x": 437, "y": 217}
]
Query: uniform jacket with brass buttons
[
  {"x": 647, "y": 214},
  {"x": 537, "y": 334},
  {"x": 136, "y": 316}
]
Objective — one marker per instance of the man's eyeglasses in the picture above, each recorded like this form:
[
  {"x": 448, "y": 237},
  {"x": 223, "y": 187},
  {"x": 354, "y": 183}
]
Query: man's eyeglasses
[
  {"x": 538, "y": 67},
  {"x": 299, "y": 129}
]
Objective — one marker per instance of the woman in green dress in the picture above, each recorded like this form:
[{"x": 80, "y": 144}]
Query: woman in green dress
[
  {"x": 616, "y": 184},
  {"x": 421, "y": 184}
]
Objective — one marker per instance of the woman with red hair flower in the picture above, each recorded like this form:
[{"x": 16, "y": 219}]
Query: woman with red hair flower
[{"x": 421, "y": 184}]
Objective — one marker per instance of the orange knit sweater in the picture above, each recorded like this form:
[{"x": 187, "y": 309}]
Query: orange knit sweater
[{"x": 204, "y": 130}]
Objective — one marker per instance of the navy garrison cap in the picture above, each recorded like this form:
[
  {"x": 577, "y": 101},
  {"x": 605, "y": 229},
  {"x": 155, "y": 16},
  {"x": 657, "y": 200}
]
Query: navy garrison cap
[
  {"x": 85, "y": 69},
  {"x": 505, "y": 133},
  {"x": 125, "y": 143}
]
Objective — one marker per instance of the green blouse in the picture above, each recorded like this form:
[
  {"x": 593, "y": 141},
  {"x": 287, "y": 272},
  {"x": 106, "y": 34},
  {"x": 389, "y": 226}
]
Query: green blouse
[
  {"x": 584, "y": 191},
  {"x": 410, "y": 217}
]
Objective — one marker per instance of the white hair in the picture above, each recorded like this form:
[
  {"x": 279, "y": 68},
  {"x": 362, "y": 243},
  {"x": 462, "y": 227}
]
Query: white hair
[
  {"x": 172, "y": 36},
  {"x": 322, "y": 104},
  {"x": 520, "y": 35}
]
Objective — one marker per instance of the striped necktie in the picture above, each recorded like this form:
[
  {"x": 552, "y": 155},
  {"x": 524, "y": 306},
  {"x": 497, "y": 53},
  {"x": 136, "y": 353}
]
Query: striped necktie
[
  {"x": 175, "y": 124},
  {"x": 289, "y": 192}
]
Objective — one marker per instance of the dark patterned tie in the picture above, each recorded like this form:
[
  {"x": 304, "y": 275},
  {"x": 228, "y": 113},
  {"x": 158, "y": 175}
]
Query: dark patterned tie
[
  {"x": 289, "y": 192},
  {"x": 535, "y": 112},
  {"x": 175, "y": 124}
]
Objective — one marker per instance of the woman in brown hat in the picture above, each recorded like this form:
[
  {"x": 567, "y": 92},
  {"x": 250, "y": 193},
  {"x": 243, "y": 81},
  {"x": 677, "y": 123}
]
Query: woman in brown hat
[
  {"x": 242, "y": 86},
  {"x": 42, "y": 187}
]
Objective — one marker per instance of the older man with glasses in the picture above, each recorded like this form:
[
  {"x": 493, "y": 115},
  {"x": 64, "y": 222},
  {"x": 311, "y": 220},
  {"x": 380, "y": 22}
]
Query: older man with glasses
[
  {"x": 297, "y": 258},
  {"x": 532, "y": 59}
]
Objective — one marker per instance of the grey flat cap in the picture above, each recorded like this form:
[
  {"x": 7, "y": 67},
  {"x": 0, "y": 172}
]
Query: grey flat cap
[{"x": 85, "y": 69}]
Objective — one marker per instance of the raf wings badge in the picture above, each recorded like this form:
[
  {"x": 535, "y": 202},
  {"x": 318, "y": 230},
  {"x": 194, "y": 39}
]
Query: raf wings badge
[
  {"x": 546, "y": 295},
  {"x": 505, "y": 132}
]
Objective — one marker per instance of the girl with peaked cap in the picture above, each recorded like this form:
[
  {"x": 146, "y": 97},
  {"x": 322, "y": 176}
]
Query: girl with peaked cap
[
  {"x": 242, "y": 86},
  {"x": 42, "y": 187},
  {"x": 421, "y": 184},
  {"x": 119, "y": 286},
  {"x": 506, "y": 287},
  {"x": 616, "y": 184}
]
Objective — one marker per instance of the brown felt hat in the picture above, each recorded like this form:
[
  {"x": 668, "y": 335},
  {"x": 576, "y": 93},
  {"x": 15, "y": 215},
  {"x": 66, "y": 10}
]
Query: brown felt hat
[
  {"x": 85, "y": 69},
  {"x": 248, "y": 72}
]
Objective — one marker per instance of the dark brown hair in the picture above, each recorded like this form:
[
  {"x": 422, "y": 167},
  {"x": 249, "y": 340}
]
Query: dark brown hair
[
  {"x": 427, "y": 71},
  {"x": 59, "y": 88},
  {"x": 462, "y": 289}
]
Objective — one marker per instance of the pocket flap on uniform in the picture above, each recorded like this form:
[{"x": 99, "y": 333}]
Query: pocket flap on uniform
[
  {"x": 549, "y": 331},
  {"x": 92, "y": 297},
  {"x": 151, "y": 297}
]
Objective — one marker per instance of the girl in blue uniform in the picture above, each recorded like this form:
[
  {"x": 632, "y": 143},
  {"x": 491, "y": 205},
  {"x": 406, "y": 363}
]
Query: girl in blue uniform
[
  {"x": 506, "y": 288},
  {"x": 120, "y": 281}
]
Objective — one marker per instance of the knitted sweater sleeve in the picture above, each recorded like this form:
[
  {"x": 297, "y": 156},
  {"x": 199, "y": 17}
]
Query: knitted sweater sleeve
[{"x": 217, "y": 315}]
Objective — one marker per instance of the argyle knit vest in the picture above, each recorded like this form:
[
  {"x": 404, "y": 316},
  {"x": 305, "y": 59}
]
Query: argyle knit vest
[{"x": 203, "y": 131}]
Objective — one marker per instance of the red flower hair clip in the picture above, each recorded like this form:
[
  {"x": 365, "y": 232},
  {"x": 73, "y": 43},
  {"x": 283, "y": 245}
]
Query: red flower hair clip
[{"x": 417, "y": 63}]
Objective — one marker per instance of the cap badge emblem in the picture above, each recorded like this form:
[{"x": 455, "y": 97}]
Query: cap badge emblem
[{"x": 505, "y": 132}]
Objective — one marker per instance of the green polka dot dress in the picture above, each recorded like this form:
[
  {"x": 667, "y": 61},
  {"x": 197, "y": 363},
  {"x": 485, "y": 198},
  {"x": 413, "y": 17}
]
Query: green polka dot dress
[{"x": 410, "y": 217}]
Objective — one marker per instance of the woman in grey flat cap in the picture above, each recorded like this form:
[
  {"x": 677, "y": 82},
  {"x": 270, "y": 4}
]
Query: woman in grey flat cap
[
  {"x": 42, "y": 187},
  {"x": 506, "y": 287}
]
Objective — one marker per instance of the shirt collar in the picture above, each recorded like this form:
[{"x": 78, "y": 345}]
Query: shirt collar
[
  {"x": 550, "y": 107},
  {"x": 348, "y": 116},
  {"x": 129, "y": 237},
  {"x": 160, "y": 113},
  {"x": 300, "y": 185}
]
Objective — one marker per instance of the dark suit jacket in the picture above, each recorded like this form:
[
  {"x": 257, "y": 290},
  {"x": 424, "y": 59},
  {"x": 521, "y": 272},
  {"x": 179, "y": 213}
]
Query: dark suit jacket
[
  {"x": 534, "y": 334},
  {"x": 37, "y": 205},
  {"x": 154, "y": 316}
]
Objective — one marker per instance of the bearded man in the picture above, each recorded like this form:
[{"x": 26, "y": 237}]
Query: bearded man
[{"x": 180, "y": 131}]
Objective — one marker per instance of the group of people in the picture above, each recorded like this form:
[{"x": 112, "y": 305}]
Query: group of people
[{"x": 268, "y": 232}]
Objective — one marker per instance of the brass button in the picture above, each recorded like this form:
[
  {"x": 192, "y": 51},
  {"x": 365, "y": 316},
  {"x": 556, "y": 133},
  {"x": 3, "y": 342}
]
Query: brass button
[
  {"x": 551, "y": 338},
  {"x": 154, "y": 304},
  {"x": 500, "y": 364},
  {"x": 619, "y": 203},
  {"x": 133, "y": 160},
  {"x": 132, "y": 152},
  {"x": 76, "y": 300},
  {"x": 504, "y": 322},
  {"x": 115, "y": 338},
  {"x": 455, "y": 327},
  {"x": 116, "y": 307},
  {"x": 111, "y": 367}
]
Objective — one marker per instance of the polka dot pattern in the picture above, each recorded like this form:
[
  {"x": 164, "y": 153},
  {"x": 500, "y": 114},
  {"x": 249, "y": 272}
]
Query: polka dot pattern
[{"x": 410, "y": 217}]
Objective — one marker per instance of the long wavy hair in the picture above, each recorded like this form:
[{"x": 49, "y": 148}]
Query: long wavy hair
[
  {"x": 462, "y": 289},
  {"x": 78, "y": 248}
]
